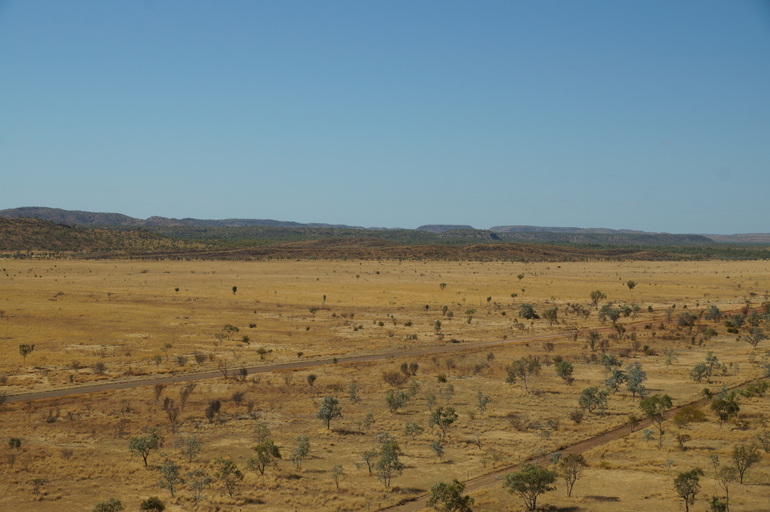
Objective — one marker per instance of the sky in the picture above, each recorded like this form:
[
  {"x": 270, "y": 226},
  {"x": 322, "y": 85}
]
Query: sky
[{"x": 651, "y": 115}]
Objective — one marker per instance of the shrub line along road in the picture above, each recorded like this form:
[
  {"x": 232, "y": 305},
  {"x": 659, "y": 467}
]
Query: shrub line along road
[
  {"x": 276, "y": 367},
  {"x": 299, "y": 365}
]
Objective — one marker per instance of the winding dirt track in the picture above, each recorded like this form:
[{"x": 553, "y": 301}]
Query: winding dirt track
[{"x": 495, "y": 477}]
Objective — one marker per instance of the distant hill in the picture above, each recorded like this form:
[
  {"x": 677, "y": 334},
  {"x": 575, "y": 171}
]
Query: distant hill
[
  {"x": 541, "y": 229},
  {"x": 440, "y": 228},
  {"x": 114, "y": 234},
  {"x": 81, "y": 218}
]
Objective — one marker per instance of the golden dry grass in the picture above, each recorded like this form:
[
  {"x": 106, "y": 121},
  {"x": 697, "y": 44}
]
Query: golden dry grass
[{"x": 122, "y": 313}]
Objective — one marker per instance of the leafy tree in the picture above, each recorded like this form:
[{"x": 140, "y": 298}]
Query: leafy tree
[
  {"x": 301, "y": 452},
  {"x": 597, "y": 296},
  {"x": 152, "y": 504},
  {"x": 25, "y": 350},
  {"x": 442, "y": 418},
  {"x": 593, "y": 399},
  {"x": 227, "y": 472},
  {"x": 608, "y": 311},
  {"x": 145, "y": 444},
  {"x": 523, "y": 369},
  {"x": 745, "y": 456},
  {"x": 687, "y": 486},
  {"x": 396, "y": 399},
  {"x": 653, "y": 408},
  {"x": 609, "y": 361},
  {"x": 529, "y": 483},
  {"x": 616, "y": 379},
  {"x": 14, "y": 443},
  {"x": 170, "y": 477},
  {"x": 564, "y": 369},
  {"x": 631, "y": 284},
  {"x": 725, "y": 405},
  {"x": 110, "y": 505},
  {"x": 388, "y": 464},
  {"x": 266, "y": 454},
  {"x": 449, "y": 497},
  {"x": 635, "y": 379},
  {"x": 527, "y": 311},
  {"x": 571, "y": 467},
  {"x": 330, "y": 409}
]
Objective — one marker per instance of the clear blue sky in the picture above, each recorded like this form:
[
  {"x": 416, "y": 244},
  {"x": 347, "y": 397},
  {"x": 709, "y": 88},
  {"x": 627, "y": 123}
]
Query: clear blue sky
[{"x": 651, "y": 115}]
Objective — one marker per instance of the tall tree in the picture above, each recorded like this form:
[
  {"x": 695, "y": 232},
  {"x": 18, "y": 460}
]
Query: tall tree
[
  {"x": 745, "y": 456},
  {"x": 687, "y": 486},
  {"x": 523, "y": 369},
  {"x": 653, "y": 408},
  {"x": 571, "y": 468}
]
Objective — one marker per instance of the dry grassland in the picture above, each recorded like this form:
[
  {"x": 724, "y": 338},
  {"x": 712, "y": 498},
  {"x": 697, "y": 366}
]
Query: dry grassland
[{"x": 109, "y": 321}]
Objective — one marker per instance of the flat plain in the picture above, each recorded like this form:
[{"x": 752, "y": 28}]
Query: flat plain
[{"x": 110, "y": 321}]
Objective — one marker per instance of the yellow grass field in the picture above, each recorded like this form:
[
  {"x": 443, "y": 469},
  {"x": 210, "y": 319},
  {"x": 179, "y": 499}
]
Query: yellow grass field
[{"x": 136, "y": 321}]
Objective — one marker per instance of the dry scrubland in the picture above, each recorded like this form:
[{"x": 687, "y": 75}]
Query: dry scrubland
[{"x": 101, "y": 321}]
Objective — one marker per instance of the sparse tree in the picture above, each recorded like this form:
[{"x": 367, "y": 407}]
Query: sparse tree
[
  {"x": 745, "y": 456},
  {"x": 437, "y": 448},
  {"x": 197, "y": 481},
  {"x": 552, "y": 315},
  {"x": 754, "y": 336},
  {"x": 631, "y": 284},
  {"x": 170, "y": 476},
  {"x": 571, "y": 467},
  {"x": 597, "y": 296},
  {"x": 482, "y": 401},
  {"x": 523, "y": 369},
  {"x": 449, "y": 497},
  {"x": 337, "y": 474},
  {"x": 687, "y": 486},
  {"x": 529, "y": 483},
  {"x": 726, "y": 475},
  {"x": 301, "y": 452},
  {"x": 227, "y": 472},
  {"x": 413, "y": 430},
  {"x": 145, "y": 444}
]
